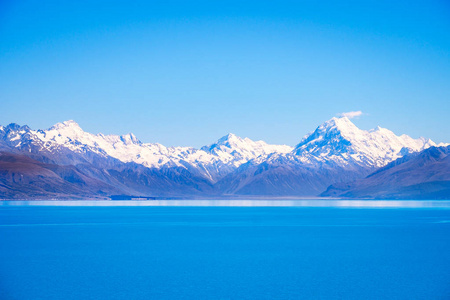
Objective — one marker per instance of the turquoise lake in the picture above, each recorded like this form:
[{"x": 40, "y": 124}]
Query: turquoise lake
[{"x": 224, "y": 252}]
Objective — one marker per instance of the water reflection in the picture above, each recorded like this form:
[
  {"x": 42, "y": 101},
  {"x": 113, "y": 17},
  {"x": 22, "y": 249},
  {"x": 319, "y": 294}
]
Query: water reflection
[{"x": 243, "y": 203}]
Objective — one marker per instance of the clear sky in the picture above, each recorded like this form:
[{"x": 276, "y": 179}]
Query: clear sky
[{"x": 188, "y": 72}]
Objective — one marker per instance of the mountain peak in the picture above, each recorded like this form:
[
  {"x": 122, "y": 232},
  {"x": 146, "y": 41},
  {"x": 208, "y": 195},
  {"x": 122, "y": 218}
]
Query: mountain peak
[
  {"x": 339, "y": 139},
  {"x": 66, "y": 124},
  {"x": 335, "y": 130},
  {"x": 230, "y": 137},
  {"x": 16, "y": 127},
  {"x": 230, "y": 140},
  {"x": 342, "y": 124},
  {"x": 130, "y": 139}
]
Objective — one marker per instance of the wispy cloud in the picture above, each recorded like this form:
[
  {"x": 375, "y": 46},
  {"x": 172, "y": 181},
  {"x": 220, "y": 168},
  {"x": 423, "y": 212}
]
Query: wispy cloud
[{"x": 351, "y": 114}]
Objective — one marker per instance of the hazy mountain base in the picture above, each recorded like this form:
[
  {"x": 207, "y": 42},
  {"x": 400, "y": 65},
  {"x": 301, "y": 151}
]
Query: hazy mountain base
[
  {"x": 22, "y": 177},
  {"x": 425, "y": 175},
  {"x": 285, "y": 177}
]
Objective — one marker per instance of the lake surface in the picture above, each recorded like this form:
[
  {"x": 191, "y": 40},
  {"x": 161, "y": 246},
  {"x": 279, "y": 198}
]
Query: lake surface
[{"x": 223, "y": 252}]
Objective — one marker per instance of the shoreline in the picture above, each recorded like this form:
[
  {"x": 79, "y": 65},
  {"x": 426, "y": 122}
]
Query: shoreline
[{"x": 337, "y": 203}]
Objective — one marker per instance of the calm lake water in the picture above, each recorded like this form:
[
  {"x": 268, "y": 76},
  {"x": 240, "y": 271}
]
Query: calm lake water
[{"x": 224, "y": 252}]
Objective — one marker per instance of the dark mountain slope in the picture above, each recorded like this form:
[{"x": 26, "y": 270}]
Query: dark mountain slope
[{"x": 424, "y": 175}]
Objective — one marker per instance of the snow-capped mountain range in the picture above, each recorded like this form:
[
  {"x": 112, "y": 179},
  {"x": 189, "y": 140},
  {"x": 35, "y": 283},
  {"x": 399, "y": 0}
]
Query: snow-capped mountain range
[
  {"x": 225, "y": 166},
  {"x": 229, "y": 152},
  {"x": 230, "y": 149}
]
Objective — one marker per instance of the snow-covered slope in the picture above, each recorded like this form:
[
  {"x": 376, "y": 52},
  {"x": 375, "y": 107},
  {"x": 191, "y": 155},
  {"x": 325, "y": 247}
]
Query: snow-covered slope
[
  {"x": 126, "y": 148},
  {"x": 235, "y": 150},
  {"x": 339, "y": 140}
]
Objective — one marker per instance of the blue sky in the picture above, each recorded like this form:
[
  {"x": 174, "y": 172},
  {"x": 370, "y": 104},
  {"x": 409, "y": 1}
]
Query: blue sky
[{"x": 189, "y": 72}]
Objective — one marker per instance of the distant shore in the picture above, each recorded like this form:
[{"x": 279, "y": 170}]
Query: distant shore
[{"x": 337, "y": 203}]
